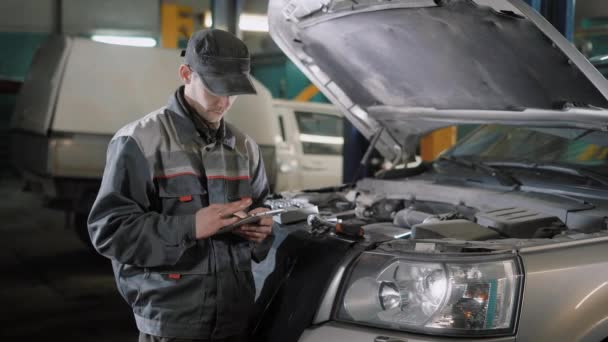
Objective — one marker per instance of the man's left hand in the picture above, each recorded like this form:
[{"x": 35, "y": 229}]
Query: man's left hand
[{"x": 259, "y": 231}]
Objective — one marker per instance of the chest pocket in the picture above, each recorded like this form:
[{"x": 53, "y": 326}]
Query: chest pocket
[
  {"x": 184, "y": 195},
  {"x": 228, "y": 176},
  {"x": 181, "y": 195}
]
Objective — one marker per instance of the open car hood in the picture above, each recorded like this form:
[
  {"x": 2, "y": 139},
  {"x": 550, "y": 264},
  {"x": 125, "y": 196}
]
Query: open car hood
[{"x": 407, "y": 67}]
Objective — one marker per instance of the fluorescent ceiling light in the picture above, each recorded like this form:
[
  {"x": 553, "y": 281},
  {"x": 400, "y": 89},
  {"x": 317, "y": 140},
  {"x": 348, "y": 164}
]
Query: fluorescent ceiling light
[
  {"x": 253, "y": 22},
  {"x": 247, "y": 22},
  {"x": 125, "y": 40},
  {"x": 208, "y": 19},
  {"x": 321, "y": 139},
  {"x": 604, "y": 58}
]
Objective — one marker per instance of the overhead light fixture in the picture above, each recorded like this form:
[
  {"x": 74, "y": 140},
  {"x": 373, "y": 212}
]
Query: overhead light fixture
[
  {"x": 247, "y": 22},
  {"x": 253, "y": 22},
  {"x": 125, "y": 40},
  {"x": 208, "y": 19}
]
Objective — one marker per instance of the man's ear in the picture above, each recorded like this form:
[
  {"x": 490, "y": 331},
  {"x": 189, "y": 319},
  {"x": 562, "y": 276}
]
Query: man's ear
[{"x": 185, "y": 74}]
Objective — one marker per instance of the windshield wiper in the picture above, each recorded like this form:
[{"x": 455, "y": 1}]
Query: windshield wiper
[
  {"x": 570, "y": 170},
  {"x": 503, "y": 177}
]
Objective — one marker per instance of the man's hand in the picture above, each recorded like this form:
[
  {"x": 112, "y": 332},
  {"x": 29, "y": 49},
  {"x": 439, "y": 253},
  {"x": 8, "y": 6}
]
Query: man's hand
[
  {"x": 210, "y": 219},
  {"x": 259, "y": 231}
]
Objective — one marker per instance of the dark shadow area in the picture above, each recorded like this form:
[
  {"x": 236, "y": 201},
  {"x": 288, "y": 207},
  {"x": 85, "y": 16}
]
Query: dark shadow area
[
  {"x": 292, "y": 291},
  {"x": 53, "y": 286}
]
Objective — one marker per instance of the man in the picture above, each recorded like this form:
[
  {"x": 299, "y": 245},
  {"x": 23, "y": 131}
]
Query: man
[{"x": 172, "y": 180}]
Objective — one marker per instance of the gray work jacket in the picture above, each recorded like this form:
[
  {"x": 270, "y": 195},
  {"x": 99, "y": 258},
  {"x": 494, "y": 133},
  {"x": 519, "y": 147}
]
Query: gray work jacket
[{"x": 159, "y": 171}]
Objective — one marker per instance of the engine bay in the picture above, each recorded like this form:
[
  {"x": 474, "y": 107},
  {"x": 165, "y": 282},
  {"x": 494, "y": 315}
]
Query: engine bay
[{"x": 455, "y": 218}]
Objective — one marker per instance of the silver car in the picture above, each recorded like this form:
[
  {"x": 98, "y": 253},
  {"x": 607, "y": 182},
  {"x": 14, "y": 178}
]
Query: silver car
[{"x": 503, "y": 237}]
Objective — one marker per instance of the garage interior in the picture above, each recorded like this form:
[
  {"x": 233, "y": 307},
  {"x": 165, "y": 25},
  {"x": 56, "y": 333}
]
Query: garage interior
[{"x": 54, "y": 284}]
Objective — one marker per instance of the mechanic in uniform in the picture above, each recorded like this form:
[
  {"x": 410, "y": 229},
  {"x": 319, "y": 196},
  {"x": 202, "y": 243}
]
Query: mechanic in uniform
[{"x": 174, "y": 178}]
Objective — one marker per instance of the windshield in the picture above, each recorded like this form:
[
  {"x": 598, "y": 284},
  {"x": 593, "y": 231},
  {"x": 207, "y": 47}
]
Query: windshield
[{"x": 574, "y": 147}]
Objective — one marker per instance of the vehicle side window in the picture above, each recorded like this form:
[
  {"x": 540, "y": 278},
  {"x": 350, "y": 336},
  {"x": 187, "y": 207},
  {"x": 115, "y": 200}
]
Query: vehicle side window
[{"x": 320, "y": 133}]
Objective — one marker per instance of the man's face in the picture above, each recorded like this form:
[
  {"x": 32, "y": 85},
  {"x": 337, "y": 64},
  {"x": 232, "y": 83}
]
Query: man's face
[{"x": 210, "y": 106}]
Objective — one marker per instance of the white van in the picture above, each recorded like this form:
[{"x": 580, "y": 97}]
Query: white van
[
  {"x": 78, "y": 93},
  {"x": 310, "y": 146}
]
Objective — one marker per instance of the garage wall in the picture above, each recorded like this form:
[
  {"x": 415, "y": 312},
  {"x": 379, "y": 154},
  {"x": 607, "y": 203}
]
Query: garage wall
[
  {"x": 81, "y": 17},
  {"x": 27, "y": 15},
  {"x": 135, "y": 17}
]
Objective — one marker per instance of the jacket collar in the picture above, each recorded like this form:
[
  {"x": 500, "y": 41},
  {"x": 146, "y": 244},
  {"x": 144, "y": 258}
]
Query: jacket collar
[{"x": 189, "y": 124}]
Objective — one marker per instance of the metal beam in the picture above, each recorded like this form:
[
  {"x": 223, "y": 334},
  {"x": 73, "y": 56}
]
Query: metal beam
[{"x": 226, "y": 14}]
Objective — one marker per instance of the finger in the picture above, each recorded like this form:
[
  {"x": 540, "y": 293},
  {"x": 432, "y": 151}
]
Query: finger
[
  {"x": 258, "y": 210},
  {"x": 247, "y": 228},
  {"x": 240, "y": 214},
  {"x": 233, "y": 207},
  {"x": 229, "y": 221},
  {"x": 251, "y": 227},
  {"x": 266, "y": 221},
  {"x": 253, "y": 235},
  {"x": 257, "y": 229}
]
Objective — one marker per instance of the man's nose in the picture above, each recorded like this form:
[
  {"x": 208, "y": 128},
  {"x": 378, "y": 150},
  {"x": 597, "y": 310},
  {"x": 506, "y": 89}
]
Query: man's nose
[{"x": 223, "y": 100}]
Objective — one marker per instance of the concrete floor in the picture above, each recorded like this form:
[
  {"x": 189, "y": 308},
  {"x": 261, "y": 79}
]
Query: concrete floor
[{"x": 52, "y": 286}]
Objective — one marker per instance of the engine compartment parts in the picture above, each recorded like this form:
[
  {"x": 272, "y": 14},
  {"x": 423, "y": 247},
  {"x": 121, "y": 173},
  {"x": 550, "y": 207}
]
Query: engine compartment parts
[
  {"x": 454, "y": 229},
  {"x": 386, "y": 231},
  {"x": 352, "y": 228},
  {"x": 518, "y": 222},
  {"x": 298, "y": 209},
  {"x": 319, "y": 226},
  {"x": 409, "y": 217}
]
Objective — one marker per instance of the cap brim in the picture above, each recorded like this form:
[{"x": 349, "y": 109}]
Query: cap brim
[{"x": 229, "y": 84}]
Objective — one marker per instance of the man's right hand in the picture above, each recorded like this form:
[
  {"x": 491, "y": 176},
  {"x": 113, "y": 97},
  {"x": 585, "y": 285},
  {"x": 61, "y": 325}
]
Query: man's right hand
[{"x": 210, "y": 219}]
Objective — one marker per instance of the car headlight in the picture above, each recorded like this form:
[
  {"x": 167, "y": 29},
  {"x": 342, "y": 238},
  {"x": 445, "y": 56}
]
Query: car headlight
[{"x": 456, "y": 298}]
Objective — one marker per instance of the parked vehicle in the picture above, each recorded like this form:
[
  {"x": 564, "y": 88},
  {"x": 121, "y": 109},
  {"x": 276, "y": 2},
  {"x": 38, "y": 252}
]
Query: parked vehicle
[
  {"x": 503, "y": 237},
  {"x": 310, "y": 150},
  {"x": 79, "y": 93},
  {"x": 601, "y": 63}
]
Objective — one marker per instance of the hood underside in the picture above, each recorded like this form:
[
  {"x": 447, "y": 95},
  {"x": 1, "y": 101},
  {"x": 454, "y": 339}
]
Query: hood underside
[{"x": 412, "y": 66}]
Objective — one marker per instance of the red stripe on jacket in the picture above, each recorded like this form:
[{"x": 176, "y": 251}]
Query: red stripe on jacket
[{"x": 177, "y": 175}]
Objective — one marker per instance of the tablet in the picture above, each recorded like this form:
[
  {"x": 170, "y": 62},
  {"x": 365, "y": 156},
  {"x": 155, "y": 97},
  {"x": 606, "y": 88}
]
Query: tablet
[{"x": 249, "y": 219}]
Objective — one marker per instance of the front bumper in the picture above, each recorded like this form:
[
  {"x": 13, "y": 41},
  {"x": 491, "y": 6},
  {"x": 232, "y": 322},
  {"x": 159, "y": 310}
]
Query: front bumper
[{"x": 334, "y": 331}]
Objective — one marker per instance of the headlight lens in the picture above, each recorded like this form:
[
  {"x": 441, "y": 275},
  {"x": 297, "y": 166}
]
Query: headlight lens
[{"x": 450, "y": 298}]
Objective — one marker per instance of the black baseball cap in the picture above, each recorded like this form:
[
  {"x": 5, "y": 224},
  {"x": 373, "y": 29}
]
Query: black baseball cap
[{"x": 221, "y": 60}]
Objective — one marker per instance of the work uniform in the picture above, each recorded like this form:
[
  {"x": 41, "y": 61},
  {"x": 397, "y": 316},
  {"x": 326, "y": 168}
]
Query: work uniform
[{"x": 160, "y": 171}]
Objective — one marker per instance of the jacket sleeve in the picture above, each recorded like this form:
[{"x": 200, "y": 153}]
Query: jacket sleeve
[
  {"x": 122, "y": 225},
  {"x": 260, "y": 190}
]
